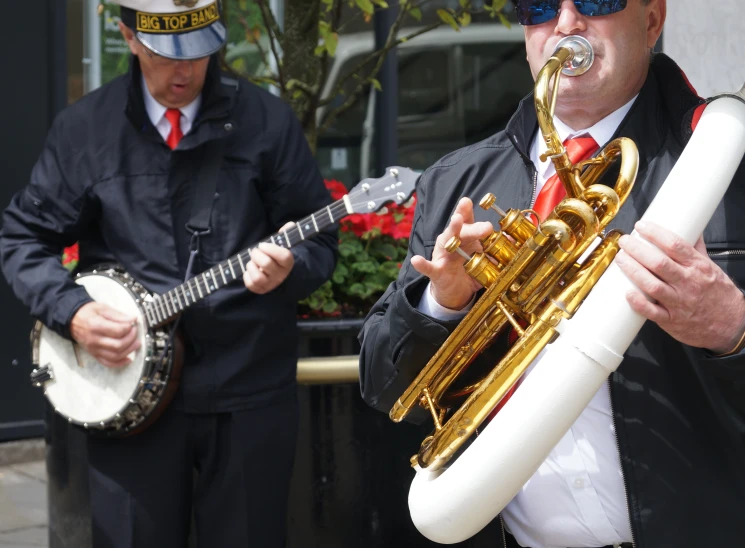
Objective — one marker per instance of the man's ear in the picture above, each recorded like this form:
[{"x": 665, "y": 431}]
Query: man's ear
[{"x": 129, "y": 36}]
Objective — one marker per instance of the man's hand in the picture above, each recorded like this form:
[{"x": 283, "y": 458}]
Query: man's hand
[
  {"x": 107, "y": 334},
  {"x": 451, "y": 286},
  {"x": 269, "y": 266},
  {"x": 694, "y": 300}
]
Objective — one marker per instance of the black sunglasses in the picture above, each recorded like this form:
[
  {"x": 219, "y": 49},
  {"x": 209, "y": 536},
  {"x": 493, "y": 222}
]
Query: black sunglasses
[{"x": 536, "y": 12}]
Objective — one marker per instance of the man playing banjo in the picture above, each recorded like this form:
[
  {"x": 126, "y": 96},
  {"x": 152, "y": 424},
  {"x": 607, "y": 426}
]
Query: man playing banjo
[{"x": 124, "y": 172}]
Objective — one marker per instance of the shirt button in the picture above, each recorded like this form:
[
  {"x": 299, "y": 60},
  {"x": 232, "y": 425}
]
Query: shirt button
[{"x": 579, "y": 483}]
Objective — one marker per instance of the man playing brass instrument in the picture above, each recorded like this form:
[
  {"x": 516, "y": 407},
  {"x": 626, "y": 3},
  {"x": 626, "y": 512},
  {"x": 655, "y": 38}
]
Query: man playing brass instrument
[{"x": 656, "y": 457}]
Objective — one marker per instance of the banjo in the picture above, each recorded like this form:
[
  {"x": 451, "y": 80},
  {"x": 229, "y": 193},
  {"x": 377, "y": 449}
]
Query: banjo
[{"x": 123, "y": 401}]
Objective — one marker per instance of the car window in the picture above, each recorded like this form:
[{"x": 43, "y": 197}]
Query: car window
[{"x": 449, "y": 97}]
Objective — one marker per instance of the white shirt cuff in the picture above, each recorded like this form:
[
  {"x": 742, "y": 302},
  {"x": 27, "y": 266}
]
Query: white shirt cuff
[{"x": 430, "y": 307}]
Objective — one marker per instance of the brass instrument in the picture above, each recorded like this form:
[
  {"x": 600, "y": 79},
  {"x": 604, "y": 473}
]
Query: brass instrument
[{"x": 532, "y": 275}]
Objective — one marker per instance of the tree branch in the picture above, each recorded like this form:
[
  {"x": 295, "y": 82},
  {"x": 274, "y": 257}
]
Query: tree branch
[
  {"x": 262, "y": 52},
  {"x": 275, "y": 35}
]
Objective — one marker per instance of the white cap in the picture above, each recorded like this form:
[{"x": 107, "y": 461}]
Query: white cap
[{"x": 176, "y": 29}]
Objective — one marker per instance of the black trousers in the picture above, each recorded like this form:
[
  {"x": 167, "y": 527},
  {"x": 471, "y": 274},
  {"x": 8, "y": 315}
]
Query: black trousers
[{"x": 144, "y": 489}]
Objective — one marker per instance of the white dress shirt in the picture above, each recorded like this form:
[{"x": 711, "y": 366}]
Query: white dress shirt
[
  {"x": 577, "y": 497},
  {"x": 157, "y": 113}
]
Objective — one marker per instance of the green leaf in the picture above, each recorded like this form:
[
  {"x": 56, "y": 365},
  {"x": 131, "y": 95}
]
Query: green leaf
[
  {"x": 464, "y": 19},
  {"x": 447, "y": 17},
  {"x": 390, "y": 269},
  {"x": 331, "y": 306},
  {"x": 416, "y": 13},
  {"x": 243, "y": 4},
  {"x": 238, "y": 64},
  {"x": 498, "y": 4},
  {"x": 504, "y": 20},
  {"x": 331, "y": 41},
  {"x": 347, "y": 249},
  {"x": 380, "y": 3},
  {"x": 376, "y": 84},
  {"x": 365, "y": 5},
  {"x": 357, "y": 289},
  {"x": 364, "y": 266},
  {"x": 389, "y": 251}
]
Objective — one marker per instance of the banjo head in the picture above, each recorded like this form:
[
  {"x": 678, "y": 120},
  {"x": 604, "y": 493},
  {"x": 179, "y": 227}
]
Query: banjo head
[{"x": 81, "y": 389}]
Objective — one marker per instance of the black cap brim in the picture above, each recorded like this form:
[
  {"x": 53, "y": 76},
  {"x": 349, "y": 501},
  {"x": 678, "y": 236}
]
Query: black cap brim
[{"x": 186, "y": 45}]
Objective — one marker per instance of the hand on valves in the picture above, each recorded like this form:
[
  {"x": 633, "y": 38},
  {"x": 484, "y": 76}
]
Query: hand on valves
[{"x": 451, "y": 286}]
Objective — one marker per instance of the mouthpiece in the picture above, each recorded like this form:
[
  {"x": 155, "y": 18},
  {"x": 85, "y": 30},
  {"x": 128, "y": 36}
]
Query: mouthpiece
[{"x": 583, "y": 55}]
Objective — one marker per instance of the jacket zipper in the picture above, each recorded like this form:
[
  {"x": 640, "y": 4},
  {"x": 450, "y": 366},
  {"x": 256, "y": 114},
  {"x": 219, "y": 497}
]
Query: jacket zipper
[
  {"x": 726, "y": 253},
  {"x": 504, "y": 537},
  {"x": 535, "y": 186},
  {"x": 623, "y": 474}
]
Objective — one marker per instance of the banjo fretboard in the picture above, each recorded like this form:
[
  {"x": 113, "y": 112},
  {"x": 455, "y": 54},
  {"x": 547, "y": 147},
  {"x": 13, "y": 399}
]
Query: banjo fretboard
[
  {"x": 368, "y": 196},
  {"x": 164, "y": 308}
]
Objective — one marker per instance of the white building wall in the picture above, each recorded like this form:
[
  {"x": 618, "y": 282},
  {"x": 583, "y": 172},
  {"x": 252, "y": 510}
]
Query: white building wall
[{"x": 707, "y": 39}]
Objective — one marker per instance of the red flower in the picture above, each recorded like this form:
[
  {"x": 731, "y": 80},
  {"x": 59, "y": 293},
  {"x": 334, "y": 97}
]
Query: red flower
[
  {"x": 337, "y": 189},
  {"x": 70, "y": 254},
  {"x": 395, "y": 222}
]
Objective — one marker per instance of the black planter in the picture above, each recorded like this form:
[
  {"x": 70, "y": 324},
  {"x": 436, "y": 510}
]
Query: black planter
[
  {"x": 352, "y": 474},
  {"x": 351, "y": 477}
]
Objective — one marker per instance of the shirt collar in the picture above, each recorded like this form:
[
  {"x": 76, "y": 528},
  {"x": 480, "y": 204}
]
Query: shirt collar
[
  {"x": 156, "y": 111},
  {"x": 601, "y": 132}
]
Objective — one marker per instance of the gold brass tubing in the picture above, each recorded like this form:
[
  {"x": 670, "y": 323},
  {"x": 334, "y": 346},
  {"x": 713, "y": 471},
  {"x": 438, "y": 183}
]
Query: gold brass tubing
[
  {"x": 328, "y": 370},
  {"x": 480, "y": 337},
  {"x": 626, "y": 149},
  {"x": 433, "y": 409},
  {"x": 477, "y": 407},
  {"x": 480, "y": 268},
  {"x": 510, "y": 318},
  {"x": 608, "y": 200},
  {"x": 442, "y": 360},
  {"x": 580, "y": 216},
  {"x": 544, "y": 107},
  {"x": 465, "y": 330},
  {"x": 561, "y": 241},
  {"x": 498, "y": 246},
  {"x": 517, "y": 226},
  {"x": 587, "y": 276}
]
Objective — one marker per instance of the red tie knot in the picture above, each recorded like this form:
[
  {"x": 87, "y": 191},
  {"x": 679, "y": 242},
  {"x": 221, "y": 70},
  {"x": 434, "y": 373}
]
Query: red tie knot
[{"x": 580, "y": 148}]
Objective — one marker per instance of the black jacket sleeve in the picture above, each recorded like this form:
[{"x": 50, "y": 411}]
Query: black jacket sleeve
[
  {"x": 41, "y": 219},
  {"x": 397, "y": 340},
  {"x": 296, "y": 190}
]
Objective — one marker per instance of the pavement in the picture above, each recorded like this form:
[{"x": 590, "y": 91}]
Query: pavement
[{"x": 23, "y": 505}]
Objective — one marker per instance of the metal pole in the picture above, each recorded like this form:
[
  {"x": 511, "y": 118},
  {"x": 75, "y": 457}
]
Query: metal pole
[
  {"x": 91, "y": 46},
  {"x": 386, "y": 113}
]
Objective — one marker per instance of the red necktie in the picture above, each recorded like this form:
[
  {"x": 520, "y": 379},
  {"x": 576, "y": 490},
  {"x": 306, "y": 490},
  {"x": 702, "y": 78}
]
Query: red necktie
[
  {"x": 553, "y": 191},
  {"x": 578, "y": 149},
  {"x": 173, "y": 115}
]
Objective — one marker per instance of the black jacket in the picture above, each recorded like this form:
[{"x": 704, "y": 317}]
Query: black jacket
[
  {"x": 106, "y": 179},
  {"x": 678, "y": 411}
]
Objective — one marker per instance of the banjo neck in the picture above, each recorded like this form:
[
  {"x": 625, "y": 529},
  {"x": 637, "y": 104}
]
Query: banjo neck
[
  {"x": 166, "y": 307},
  {"x": 368, "y": 196}
]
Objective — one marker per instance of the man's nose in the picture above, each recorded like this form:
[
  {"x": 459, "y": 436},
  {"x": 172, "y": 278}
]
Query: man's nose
[
  {"x": 184, "y": 68},
  {"x": 570, "y": 21}
]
